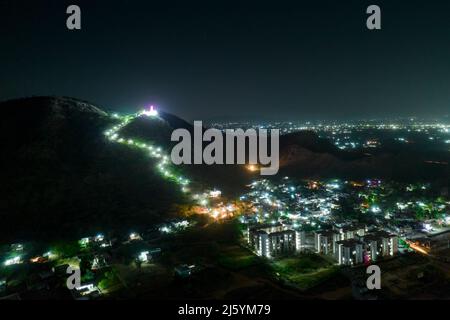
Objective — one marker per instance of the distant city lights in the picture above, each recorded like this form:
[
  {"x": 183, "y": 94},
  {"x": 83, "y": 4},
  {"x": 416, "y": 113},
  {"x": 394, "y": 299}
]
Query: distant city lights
[
  {"x": 13, "y": 261},
  {"x": 135, "y": 236}
]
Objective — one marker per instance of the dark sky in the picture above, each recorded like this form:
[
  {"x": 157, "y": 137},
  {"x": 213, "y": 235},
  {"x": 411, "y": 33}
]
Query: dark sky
[{"x": 200, "y": 60}]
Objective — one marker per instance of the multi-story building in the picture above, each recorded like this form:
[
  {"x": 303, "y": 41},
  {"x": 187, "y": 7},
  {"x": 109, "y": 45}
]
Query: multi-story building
[
  {"x": 300, "y": 240},
  {"x": 380, "y": 244},
  {"x": 269, "y": 241},
  {"x": 349, "y": 252},
  {"x": 324, "y": 241},
  {"x": 350, "y": 245},
  {"x": 350, "y": 231}
]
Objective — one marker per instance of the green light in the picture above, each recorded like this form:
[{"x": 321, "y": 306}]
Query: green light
[{"x": 155, "y": 152}]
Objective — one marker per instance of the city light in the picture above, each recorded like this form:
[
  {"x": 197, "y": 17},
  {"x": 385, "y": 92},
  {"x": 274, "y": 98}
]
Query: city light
[
  {"x": 135, "y": 236},
  {"x": 13, "y": 261},
  {"x": 215, "y": 193},
  {"x": 375, "y": 209},
  {"x": 143, "y": 256},
  {"x": 50, "y": 255},
  {"x": 84, "y": 242}
]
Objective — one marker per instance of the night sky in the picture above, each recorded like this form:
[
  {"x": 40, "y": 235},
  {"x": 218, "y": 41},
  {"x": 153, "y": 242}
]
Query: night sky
[{"x": 296, "y": 60}]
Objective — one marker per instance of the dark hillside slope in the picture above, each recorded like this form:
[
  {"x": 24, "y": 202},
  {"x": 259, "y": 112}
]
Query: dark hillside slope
[{"x": 60, "y": 177}]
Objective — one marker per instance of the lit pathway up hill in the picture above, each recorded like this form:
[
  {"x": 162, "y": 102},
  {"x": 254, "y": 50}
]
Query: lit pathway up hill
[
  {"x": 164, "y": 166},
  {"x": 152, "y": 150}
]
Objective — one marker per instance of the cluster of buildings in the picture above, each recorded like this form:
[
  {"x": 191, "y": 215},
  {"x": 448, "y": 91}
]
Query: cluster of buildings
[
  {"x": 272, "y": 240},
  {"x": 292, "y": 216},
  {"x": 355, "y": 246},
  {"x": 357, "y": 134},
  {"x": 26, "y": 273},
  {"x": 349, "y": 245},
  {"x": 289, "y": 202}
]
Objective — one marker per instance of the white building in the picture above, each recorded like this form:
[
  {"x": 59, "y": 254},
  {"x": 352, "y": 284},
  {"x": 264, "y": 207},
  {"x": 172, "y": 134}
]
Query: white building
[
  {"x": 269, "y": 241},
  {"x": 380, "y": 244},
  {"x": 349, "y": 252},
  {"x": 324, "y": 241},
  {"x": 300, "y": 240}
]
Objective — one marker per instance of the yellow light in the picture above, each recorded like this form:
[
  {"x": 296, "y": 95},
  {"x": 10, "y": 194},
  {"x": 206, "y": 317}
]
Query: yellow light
[{"x": 215, "y": 214}]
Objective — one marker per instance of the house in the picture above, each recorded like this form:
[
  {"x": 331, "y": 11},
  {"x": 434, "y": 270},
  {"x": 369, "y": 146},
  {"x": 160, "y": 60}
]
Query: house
[{"x": 184, "y": 271}]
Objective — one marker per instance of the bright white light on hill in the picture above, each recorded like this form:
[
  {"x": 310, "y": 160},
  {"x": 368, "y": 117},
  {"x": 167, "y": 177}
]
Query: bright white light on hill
[{"x": 151, "y": 112}]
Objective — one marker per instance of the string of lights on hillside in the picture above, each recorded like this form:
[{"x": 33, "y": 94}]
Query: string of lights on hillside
[
  {"x": 216, "y": 211},
  {"x": 152, "y": 150}
]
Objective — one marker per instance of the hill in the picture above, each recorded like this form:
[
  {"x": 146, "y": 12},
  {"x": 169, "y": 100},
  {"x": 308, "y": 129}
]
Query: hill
[
  {"x": 60, "y": 177},
  {"x": 305, "y": 155}
]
